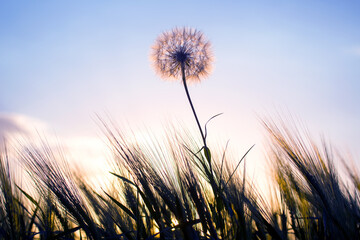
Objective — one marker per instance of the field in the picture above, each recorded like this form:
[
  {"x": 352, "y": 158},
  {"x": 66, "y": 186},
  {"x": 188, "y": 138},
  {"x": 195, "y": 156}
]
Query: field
[{"x": 176, "y": 190}]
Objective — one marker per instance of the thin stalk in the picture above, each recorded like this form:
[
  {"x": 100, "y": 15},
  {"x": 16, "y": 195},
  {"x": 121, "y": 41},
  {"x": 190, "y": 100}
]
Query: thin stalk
[{"x": 195, "y": 115}]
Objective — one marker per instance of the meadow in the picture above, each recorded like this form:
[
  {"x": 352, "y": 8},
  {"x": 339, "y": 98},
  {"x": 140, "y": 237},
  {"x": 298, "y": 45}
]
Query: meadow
[
  {"x": 172, "y": 191},
  {"x": 179, "y": 186}
]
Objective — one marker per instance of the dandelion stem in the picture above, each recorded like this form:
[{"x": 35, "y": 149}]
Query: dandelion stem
[
  {"x": 191, "y": 104},
  {"x": 206, "y": 150}
]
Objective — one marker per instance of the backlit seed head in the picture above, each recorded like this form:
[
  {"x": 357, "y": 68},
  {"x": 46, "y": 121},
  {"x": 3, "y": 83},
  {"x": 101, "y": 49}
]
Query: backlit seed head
[{"x": 182, "y": 47}]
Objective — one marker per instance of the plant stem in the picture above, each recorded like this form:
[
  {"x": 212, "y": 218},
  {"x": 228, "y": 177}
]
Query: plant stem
[
  {"x": 191, "y": 104},
  {"x": 206, "y": 149}
]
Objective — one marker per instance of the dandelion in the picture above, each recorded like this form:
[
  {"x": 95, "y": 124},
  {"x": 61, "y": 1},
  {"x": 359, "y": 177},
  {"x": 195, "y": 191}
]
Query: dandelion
[{"x": 184, "y": 52}]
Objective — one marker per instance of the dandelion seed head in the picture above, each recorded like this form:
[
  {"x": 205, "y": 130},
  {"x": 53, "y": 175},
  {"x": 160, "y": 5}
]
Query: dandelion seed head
[{"x": 182, "y": 47}]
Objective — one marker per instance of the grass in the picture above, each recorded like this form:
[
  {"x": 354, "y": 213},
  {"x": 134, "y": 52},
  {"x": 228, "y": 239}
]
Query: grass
[{"x": 170, "y": 191}]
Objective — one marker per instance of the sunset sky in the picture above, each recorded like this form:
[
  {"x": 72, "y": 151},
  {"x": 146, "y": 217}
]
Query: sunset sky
[{"x": 63, "y": 62}]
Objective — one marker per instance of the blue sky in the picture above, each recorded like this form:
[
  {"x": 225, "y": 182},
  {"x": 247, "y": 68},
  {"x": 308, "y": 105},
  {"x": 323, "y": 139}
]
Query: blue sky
[{"x": 63, "y": 61}]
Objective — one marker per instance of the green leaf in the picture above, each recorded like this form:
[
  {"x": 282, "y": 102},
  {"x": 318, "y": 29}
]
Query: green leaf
[
  {"x": 28, "y": 196},
  {"x": 123, "y": 207},
  {"x": 124, "y": 179},
  {"x": 147, "y": 201},
  {"x": 207, "y": 154}
]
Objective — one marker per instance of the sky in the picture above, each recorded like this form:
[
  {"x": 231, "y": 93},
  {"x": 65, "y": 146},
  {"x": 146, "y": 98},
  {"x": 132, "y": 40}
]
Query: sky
[{"x": 64, "y": 62}]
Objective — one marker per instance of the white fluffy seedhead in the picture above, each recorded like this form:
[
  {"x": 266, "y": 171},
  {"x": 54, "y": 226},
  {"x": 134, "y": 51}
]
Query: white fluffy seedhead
[{"x": 182, "y": 46}]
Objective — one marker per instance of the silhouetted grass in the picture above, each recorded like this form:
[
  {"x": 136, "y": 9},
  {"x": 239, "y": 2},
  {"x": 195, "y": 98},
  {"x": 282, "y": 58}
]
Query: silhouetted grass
[
  {"x": 319, "y": 204},
  {"x": 167, "y": 189}
]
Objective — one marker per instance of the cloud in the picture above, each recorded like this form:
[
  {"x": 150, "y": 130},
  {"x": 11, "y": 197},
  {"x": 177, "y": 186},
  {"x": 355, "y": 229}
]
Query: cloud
[
  {"x": 13, "y": 125},
  {"x": 87, "y": 153}
]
